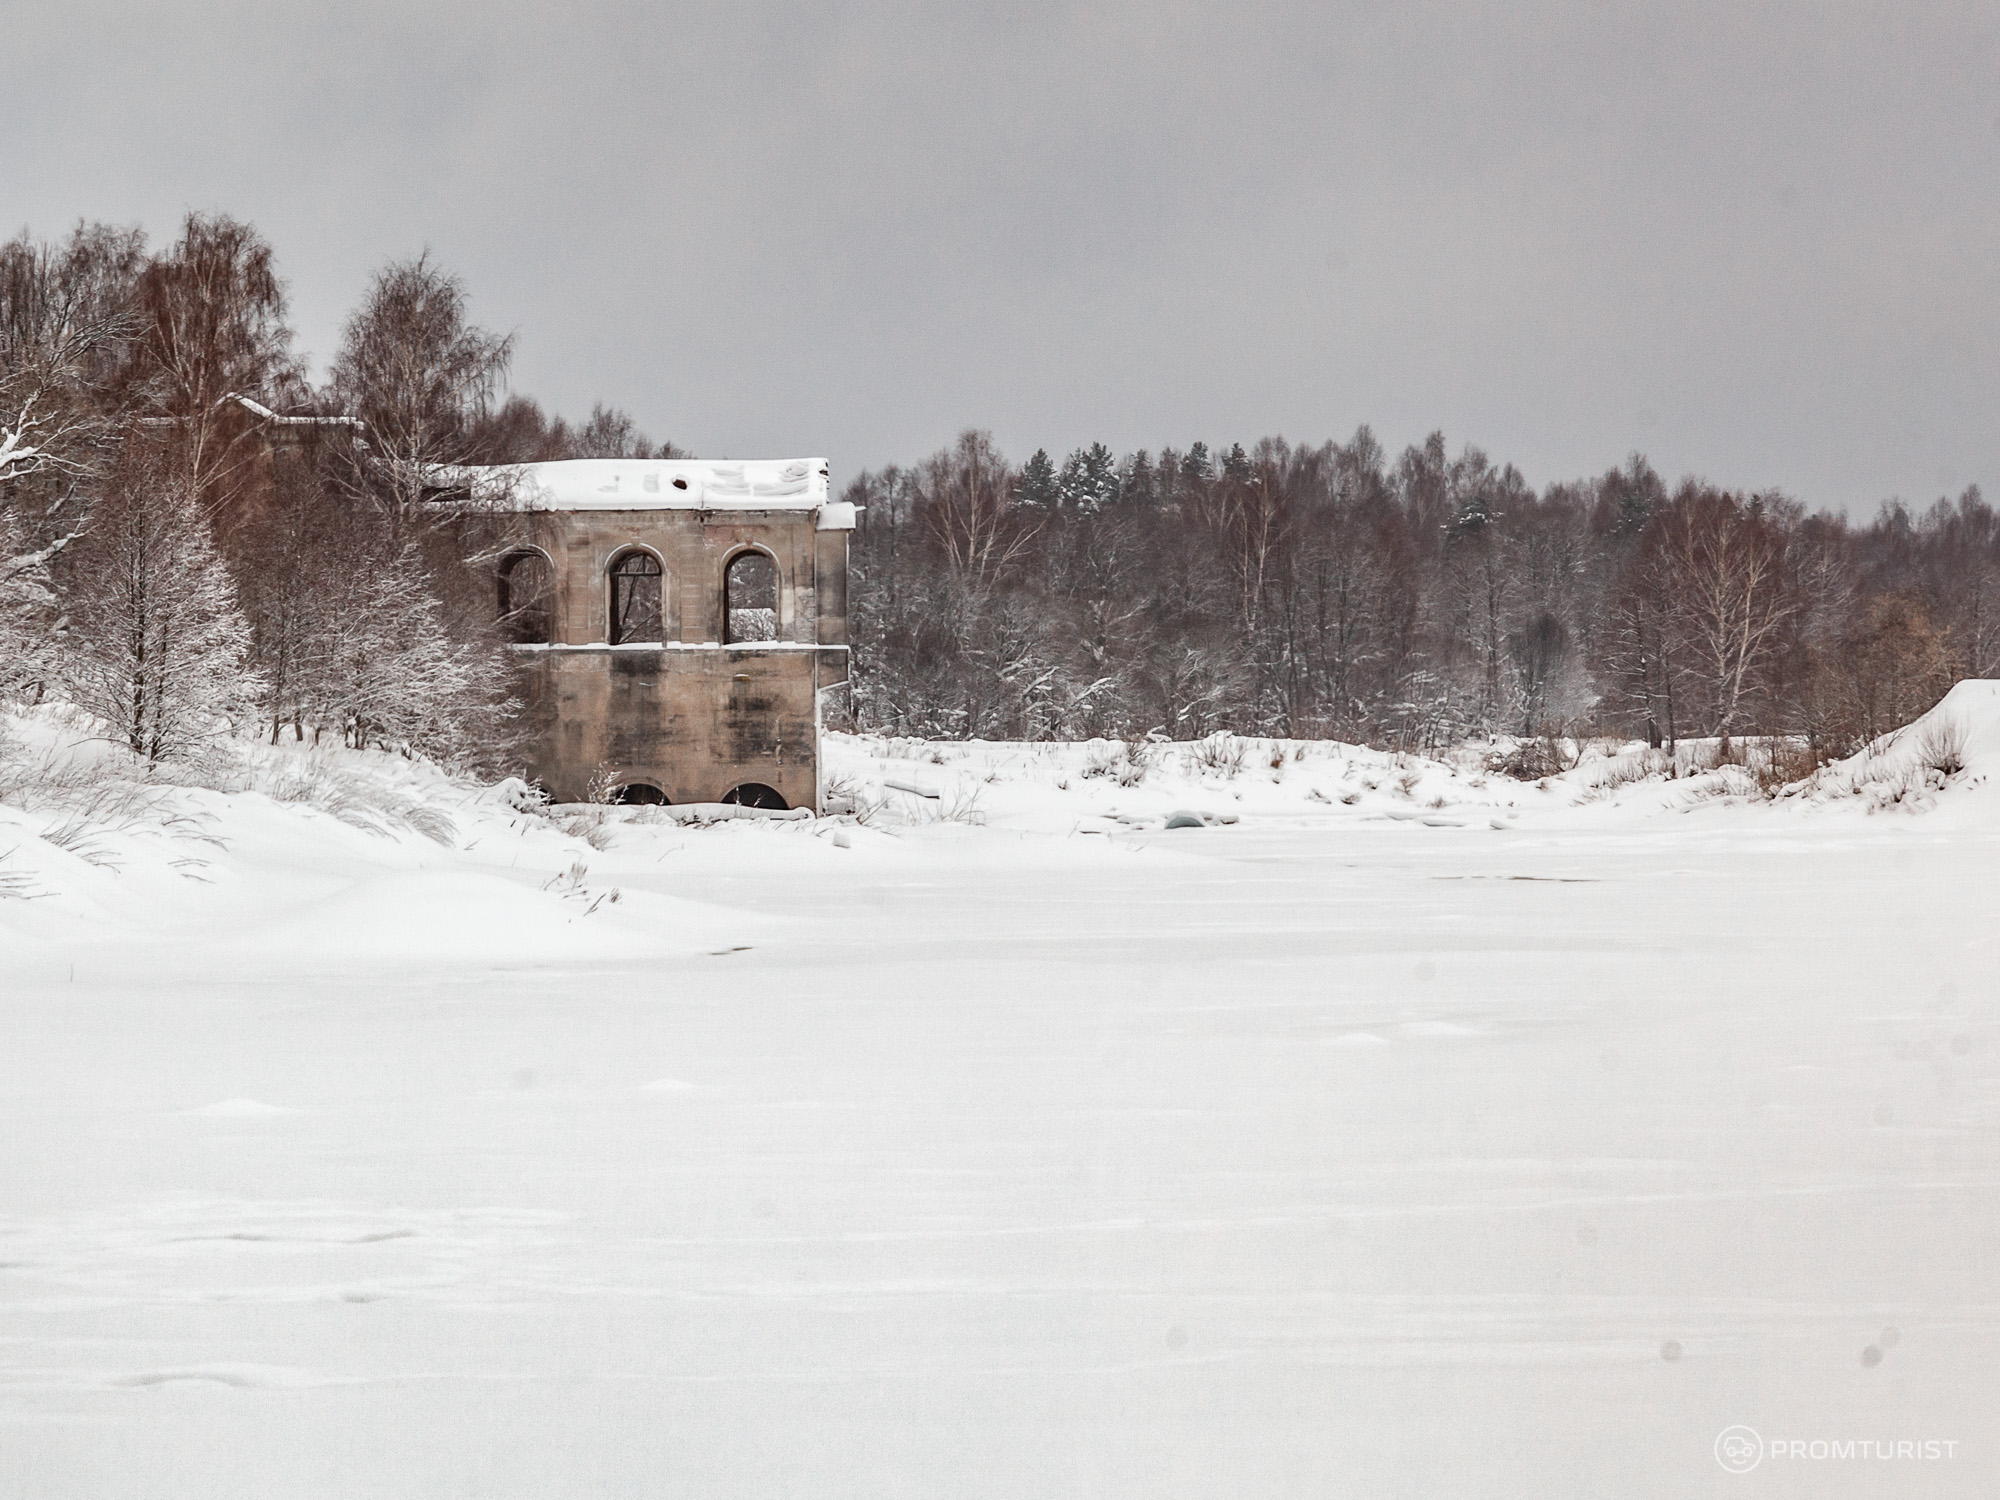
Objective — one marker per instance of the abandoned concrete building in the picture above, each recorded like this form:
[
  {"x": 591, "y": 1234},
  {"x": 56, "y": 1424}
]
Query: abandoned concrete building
[{"x": 682, "y": 623}]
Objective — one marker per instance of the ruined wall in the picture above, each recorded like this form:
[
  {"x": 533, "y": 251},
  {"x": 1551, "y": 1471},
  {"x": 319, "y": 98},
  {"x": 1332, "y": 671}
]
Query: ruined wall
[
  {"x": 690, "y": 716},
  {"x": 694, "y": 723}
]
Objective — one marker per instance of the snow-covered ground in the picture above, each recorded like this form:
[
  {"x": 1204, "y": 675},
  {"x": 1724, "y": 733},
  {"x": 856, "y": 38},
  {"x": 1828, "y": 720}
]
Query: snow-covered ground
[{"x": 1420, "y": 1132}]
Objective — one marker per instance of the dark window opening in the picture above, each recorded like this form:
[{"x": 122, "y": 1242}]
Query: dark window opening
[
  {"x": 756, "y": 794},
  {"x": 750, "y": 599},
  {"x": 527, "y": 599},
  {"x": 638, "y": 794},
  {"x": 635, "y": 599}
]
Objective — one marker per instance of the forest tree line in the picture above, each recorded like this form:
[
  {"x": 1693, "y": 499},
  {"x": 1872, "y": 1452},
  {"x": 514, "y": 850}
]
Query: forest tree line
[
  {"x": 194, "y": 537},
  {"x": 1416, "y": 600}
]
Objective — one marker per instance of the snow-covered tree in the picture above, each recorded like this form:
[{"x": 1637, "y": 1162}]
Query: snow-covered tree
[
  {"x": 157, "y": 645},
  {"x": 24, "y": 611},
  {"x": 1089, "y": 480},
  {"x": 389, "y": 672},
  {"x": 65, "y": 319}
]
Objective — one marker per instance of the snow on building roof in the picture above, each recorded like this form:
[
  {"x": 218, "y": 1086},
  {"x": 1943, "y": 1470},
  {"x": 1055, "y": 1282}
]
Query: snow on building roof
[{"x": 656, "y": 484}]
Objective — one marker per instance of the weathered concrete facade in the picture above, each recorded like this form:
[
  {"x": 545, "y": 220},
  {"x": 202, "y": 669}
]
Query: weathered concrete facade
[{"x": 685, "y": 699}]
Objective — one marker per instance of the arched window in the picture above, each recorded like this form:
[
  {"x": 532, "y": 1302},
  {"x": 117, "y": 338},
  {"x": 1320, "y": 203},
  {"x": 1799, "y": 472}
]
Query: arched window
[
  {"x": 635, "y": 599},
  {"x": 750, "y": 599},
  {"x": 527, "y": 599}
]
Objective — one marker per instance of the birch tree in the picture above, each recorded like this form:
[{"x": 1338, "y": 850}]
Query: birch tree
[
  {"x": 1717, "y": 564},
  {"x": 421, "y": 376},
  {"x": 212, "y": 327}
]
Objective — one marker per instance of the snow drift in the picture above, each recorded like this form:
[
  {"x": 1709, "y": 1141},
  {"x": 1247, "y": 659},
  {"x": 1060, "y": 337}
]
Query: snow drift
[{"x": 1954, "y": 748}]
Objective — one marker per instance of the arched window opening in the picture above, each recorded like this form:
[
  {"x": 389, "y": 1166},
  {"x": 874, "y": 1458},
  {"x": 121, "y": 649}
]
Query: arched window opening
[
  {"x": 750, "y": 599},
  {"x": 635, "y": 599},
  {"x": 527, "y": 599},
  {"x": 756, "y": 794},
  {"x": 638, "y": 794}
]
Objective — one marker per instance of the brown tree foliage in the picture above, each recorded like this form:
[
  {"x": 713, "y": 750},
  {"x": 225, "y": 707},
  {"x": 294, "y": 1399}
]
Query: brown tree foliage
[{"x": 1331, "y": 591}]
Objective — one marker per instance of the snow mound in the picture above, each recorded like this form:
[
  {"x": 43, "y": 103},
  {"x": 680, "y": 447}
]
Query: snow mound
[
  {"x": 1953, "y": 748},
  {"x": 241, "y": 1109}
]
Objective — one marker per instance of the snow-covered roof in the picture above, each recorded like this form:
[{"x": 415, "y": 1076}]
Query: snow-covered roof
[{"x": 655, "y": 484}]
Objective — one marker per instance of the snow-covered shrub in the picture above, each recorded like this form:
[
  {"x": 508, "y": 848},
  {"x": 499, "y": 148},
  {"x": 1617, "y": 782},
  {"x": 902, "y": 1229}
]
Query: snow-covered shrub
[
  {"x": 589, "y": 821},
  {"x": 1219, "y": 754},
  {"x": 1122, "y": 762},
  {"x": 844, "y": 796},
  {"x": 1780, "y": 761},
  {"x": 522, "y": 797},
  {"x": 1941, "y": 746},
  {"x": 1528, "y": 760}
]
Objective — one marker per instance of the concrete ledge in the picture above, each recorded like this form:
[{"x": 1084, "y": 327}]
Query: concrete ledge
[{"x": 718, "y": 812}]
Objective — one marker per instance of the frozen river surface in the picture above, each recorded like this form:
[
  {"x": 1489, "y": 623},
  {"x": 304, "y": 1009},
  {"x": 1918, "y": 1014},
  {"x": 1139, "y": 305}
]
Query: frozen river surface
[{"x": 1277, "y": 1159}]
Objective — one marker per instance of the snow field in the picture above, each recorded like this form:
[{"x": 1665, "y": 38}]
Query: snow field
[{"x": 1005, "y": 1146}]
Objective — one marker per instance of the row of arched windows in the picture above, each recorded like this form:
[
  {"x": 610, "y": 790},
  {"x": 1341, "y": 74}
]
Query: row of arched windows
[{"x": 635, "y": 597}]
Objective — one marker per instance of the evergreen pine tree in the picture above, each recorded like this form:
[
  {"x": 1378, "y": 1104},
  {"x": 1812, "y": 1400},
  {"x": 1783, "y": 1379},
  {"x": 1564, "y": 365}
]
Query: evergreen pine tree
[
  {"x": 1136, "y": 485},
  {"x": 1100, "y": 477},
  {"x": 1070, "y": 487},
  {"x": 1039, "y": 486}
]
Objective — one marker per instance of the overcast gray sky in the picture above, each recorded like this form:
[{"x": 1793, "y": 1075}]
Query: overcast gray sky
[{"x": 1756, "y": 242}]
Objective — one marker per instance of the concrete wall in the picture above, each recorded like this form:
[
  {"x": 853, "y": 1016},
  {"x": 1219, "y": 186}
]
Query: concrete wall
[{"x": 690, "y": 717}]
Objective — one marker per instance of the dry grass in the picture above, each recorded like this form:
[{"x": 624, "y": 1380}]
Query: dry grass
[
  {"x": 15, "y": 885},
  {"x": 89, "y": 799},
  {"x": 1941, "y": 747},
  {"x": 317, "y": 780},
  {"x": 1218, "y": 755},
  {"x": 1127, "y": 764}
]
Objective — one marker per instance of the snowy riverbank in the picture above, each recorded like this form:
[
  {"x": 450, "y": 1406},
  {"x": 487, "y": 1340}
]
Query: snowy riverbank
[{"x": 355, "y": 1140}]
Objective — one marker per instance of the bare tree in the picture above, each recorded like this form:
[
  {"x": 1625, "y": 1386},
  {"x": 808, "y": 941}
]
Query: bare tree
[
  {"x": 66, "y": 316},
  {"x": 611, "y": 433},
  {"x": 421, "y": 377},
  {"x": 1717, "y": 564},
  {"x": 213, "y": 328},
  {"x": 968, "y": 508}
]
